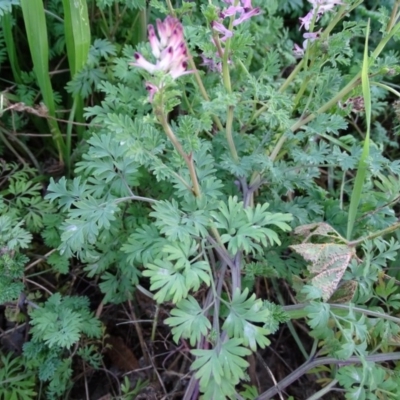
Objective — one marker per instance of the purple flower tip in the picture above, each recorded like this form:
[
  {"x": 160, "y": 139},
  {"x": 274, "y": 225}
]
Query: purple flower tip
[{"x": 169, "y": 50}]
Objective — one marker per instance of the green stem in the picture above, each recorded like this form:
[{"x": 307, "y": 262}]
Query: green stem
[
  {"x": 203, "y": 91},
  {"x": 350, "y": 86},
  {"x": 374, "y": 235},
  {"x": 196, "y": 73},
  {"x": 339, "y": 15},
  {"x": 176, "y": 143},
  {"x": 303, "y": 121},
  {"x": 137, "y": 198},
  {"x": 226, "y": 77},
  {"x": 386, "y": 87},
  {"x": 300, "y": 93},
  {"x": 118, "y": 19},
  {"x": 145, "y": 291},
  {"x": 154, "y": 328},
  {"x": 171, "y": 8},
  {"x": 347, "y": 89},
  {"x": 324, "y": 390},
  {"x": 229, "y": 135},
  {"x": 257, "y": 113},
  {"x": 69, "y": 135},
  {"x": 289, "y": 323},
  {"x": 105, "y": 28},
  {"x": 393, "y": 17},
  {"x": 291, "y": 77}
]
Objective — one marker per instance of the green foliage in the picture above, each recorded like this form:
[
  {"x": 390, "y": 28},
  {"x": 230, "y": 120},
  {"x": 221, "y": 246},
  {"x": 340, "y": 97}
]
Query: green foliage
[
  {"x": 62, "y": 322},
  {"x": 130, "y": 394},
  {"x": 21, "y": 212},
  {"x": 187, "y": 187},
  {"x": 242, "y": 312},
  {"x": 6, "y": 5},
  {"x": 188, "y": 321},
  {"x": 245, "y": 228},
  {"x": 86, "y": 80},
  {"x": 220, "y": 369},
  {"x": 166, "y": 199},
  {"x": 21, "y": 195},
  {"x": 368, "y": 382},
  {"x": 16, "y": 381}
]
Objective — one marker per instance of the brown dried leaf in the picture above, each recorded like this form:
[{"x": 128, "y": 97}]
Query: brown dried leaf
[
  {"x": 318, "y": 229},
  {"x": 344, "y": 293},
  {"x": 121, "y": 355},
  {"x": 328, "y": 264}
]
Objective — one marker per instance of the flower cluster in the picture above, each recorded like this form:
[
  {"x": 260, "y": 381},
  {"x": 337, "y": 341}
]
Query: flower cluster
[
  {"x": 242, "y": 11},
  {"x": 169, "y": 50},
  {"x": 320, "y": 7}
]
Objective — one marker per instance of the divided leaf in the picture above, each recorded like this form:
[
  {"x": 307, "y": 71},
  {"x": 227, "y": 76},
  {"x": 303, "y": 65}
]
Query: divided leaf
[
  {"x": 223, "y": 363},
  {"x": 188, "y": 321}
]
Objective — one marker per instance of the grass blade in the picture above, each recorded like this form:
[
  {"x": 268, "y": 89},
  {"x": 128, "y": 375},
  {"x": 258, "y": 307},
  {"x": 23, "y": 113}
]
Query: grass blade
[
  {"x": 6, "y": 21},
  {"x": 36, "y": 31},
  {"x": 77, "y": 33},
  {"x": 77, "y": 39},
  {"x": 363, "y": 163}
]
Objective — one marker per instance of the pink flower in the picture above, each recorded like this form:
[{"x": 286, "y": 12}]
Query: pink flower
[
  {"x": 246, "y": 15},
  {"x": 169, "y": 50},
  {"x": 220, "y": 28},
  {"x": 320, "y": 7},
  {"x": 298, "y": 51},
  {"x": 309, "y": 37},
  {"x": 306, "y": 20},
  {"x": 152, "y": 89},
  {"x": 244, "y": 3},
  {"x": 324, "y": 5},
  {"x": 211, "y": 64},
  {"x": 232, "y": 10},
  {"x": 242, "y": 12}
]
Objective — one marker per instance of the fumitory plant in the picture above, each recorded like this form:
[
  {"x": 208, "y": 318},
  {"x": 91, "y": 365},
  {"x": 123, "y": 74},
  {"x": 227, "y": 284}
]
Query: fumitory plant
[{"x": 215, "y": 160}]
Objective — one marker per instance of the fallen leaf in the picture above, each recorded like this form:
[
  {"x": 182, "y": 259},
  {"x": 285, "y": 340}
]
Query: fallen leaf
[
  {"x": 328, "y": 264},
  {"x": 121, "y": 355}
]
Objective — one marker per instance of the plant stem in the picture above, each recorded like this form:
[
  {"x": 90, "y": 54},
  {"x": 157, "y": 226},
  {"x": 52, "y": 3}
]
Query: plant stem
[
  {"x": 137, "y": 198},
  {"x": 298, "y": 311},
  {"x": 393, "y": 17},
  {"x": 170, "y": 8},
  {"x": 303, "y": 121},
  {"x": 291, "y": 77},
  {"x": 325, "y": 33},
  {"x": 324, "y": 390},
  {"x": 289, "y": 323},
  {"x": 374, "y": 235},
  {"x": 196, "y": 73},
  {"x": 228, "y": 132},
  {"x": 303, "y": 369},
  {"x": 176, "y": 143},
  {"x": 350, "y": 86},
  {"x": 226, "y": 76}
]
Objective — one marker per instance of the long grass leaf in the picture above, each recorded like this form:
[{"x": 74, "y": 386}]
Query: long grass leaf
[
  {"x": 138, "y": 30},
  {"x": 363, "y": 163},
  {"x": 6, "y": 22},
  {"x": 77, "y": 33},
  {"x": 77, "y": 39},
  {"x": 36, "y": 31}
]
